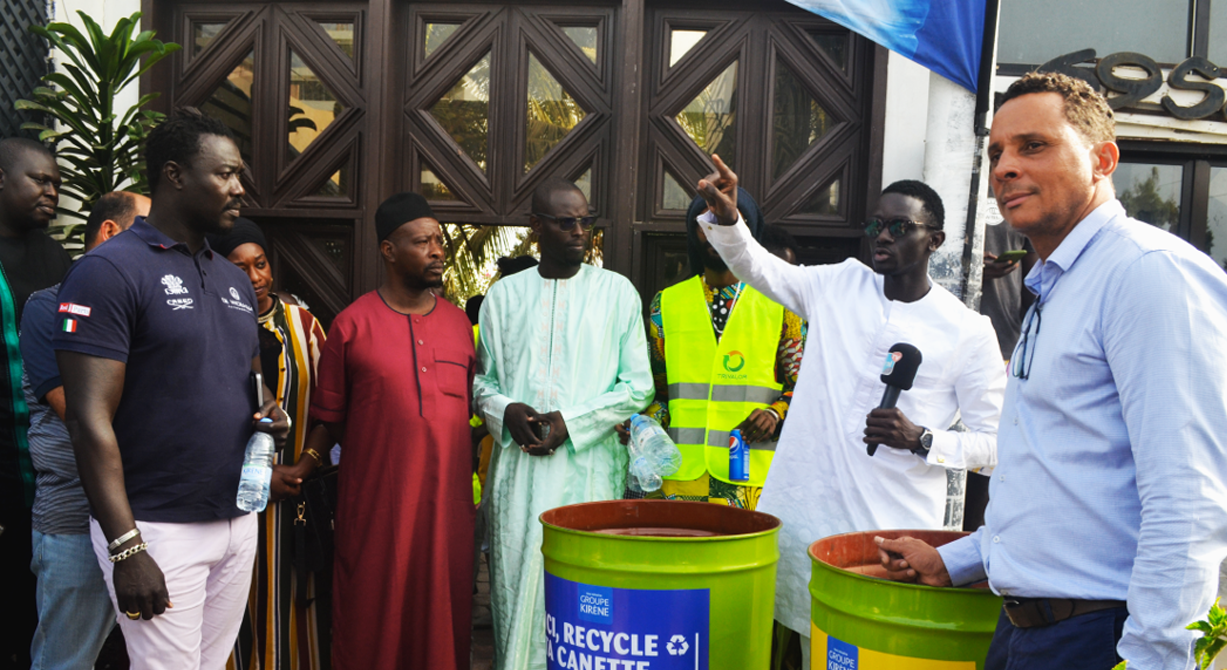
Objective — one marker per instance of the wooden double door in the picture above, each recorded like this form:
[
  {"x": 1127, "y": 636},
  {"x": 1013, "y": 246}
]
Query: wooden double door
[{"x": 339, "y": 104}]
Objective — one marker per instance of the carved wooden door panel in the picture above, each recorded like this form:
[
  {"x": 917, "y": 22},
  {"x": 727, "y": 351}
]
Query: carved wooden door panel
[
  {"x": 288, "y": 80},
  {"x": 785, "y": 98},
  {"x": 500, "y": 98}
]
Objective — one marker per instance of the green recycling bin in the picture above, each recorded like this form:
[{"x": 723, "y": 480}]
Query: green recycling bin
[
  {"x": 658, "y": 585},
  {"x": 863, "y": 622}
]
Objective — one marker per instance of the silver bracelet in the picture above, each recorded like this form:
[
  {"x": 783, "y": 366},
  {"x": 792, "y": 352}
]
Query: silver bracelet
[
  {"x": 129, "y": 552},
  {"x": 123, "y": 538}
]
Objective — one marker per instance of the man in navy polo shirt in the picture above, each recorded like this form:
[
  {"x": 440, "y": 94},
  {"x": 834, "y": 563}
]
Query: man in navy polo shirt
[{"x": 156, "y": 348}]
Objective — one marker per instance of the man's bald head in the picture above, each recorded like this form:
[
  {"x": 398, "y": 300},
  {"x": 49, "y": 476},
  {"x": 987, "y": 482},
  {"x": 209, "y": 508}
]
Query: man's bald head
[
  {"x": 14, "y": 149},
  {"x": 543, "y": 196},
  {"x": 116, "y": 212}
]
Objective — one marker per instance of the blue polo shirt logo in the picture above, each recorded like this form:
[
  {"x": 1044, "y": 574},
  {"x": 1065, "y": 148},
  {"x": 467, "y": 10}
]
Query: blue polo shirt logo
[
  {"x": 174, "y": 286},
  {"x": 236, "y": 301}
]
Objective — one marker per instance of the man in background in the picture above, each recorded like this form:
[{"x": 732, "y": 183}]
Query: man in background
[
  {"x": 29, "y": 261},
  {"x": 776, "y": 239},
  {"x": 29, "y": 195},
  {"x": 74, "y": 610}
]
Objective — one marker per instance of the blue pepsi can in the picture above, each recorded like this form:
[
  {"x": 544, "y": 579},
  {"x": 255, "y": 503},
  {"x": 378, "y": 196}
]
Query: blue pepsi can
[{"x": 739, "y": 457}]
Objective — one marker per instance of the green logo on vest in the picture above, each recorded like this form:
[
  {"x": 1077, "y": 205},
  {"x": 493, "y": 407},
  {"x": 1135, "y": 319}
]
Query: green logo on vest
[{"x": 741, "y": 361}]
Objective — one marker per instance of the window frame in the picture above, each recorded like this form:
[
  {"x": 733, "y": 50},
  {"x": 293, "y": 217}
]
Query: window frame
[
  {"x": 1197, "y": 41},
  {"x": 1196, "y": 160}
]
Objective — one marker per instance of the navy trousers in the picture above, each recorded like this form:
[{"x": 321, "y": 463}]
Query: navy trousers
[{"x": 1086, "y": 642}]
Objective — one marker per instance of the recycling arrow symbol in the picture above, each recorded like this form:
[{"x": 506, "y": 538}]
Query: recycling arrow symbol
[{"x": 677, "y": 646}]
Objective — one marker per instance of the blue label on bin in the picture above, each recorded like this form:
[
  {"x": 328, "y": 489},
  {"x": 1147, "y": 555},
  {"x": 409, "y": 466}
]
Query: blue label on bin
[
  {"x": 840, "y": 655},
  {"x": 602, "y": 627},
  {"x": 596, "y": 604}
]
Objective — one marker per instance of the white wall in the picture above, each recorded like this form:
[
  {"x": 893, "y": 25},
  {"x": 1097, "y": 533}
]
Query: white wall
[
  {"x": 949, "y": 155},
  {"x": 907, "y": 114},
  {"x": 930, "y": 136},
  {"x": 106, "y": 13}
]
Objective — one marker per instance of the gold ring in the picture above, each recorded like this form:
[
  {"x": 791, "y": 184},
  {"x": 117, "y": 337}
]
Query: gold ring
[{"x": 132, "y": 615}]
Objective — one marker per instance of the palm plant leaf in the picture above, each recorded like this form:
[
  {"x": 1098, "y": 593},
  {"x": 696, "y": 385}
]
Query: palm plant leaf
[
  {"x": 98, "y": 145},
  {"x": 471, "y": 255}
]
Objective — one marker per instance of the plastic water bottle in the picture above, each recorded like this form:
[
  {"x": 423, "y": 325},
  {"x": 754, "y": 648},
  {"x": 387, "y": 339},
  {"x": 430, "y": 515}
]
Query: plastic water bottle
[
  {"x": 257, "y": 471},
  {"x": 642, "y": 479},
  {"x": 653, "y": 443}
]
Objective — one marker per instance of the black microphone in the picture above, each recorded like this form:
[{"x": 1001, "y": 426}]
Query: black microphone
[{"x": 898, "y": 374}]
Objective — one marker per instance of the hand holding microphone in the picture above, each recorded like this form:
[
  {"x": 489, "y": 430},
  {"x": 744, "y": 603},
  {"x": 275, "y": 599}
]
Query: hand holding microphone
[{"x": 898, "y": 373}]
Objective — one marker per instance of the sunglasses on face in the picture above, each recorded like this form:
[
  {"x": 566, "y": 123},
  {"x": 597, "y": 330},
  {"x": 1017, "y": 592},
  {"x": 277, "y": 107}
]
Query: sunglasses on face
[
  {"x": 897, "y": 227},
  {"x": 568, "y": 222}
]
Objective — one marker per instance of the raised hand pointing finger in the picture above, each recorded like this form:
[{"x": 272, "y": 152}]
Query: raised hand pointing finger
[{"x": 719, "y": 189}]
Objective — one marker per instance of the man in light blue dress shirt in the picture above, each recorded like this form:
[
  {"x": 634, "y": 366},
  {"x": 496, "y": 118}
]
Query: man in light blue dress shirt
[{"x": 1108, "y": 512}]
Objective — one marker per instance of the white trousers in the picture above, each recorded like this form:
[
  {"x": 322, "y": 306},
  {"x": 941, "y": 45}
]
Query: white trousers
[{"x": 207, "y": 567}]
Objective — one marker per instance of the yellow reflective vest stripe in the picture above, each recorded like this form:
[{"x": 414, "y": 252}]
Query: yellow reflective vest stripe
[{"x": 713, "y": 386}]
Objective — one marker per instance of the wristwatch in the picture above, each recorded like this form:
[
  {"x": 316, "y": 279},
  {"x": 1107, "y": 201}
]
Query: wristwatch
[{"x": 926, "y": 443}]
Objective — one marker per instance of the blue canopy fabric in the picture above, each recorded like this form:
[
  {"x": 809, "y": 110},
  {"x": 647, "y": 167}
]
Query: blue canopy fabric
[{"x": 943, "y": 35}]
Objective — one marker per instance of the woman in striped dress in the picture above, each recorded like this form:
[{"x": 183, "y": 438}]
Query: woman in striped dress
[{"x": 282, "y": 629}]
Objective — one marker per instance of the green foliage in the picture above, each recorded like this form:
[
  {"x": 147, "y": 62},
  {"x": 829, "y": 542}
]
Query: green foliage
[
  {"x": 797, "y": 122},
  {"x": 1143, "y": 202},
  {"x": 464, "y": 112},
  {"x": 1213, "y": 635},
  {"x": 471, "y": 255},
  {"x": 98, "y": 145},
  {"x": 552, "y": 113},
  {"x": 472, "y": 252}
]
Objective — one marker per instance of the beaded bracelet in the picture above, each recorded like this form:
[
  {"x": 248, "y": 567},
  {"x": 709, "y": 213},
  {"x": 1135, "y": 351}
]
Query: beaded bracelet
[
  {"x": 129, "y": 552},
  {"x": 123, "y": 538}
]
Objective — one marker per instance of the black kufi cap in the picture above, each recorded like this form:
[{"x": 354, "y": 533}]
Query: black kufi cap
[
  {"x": 399, "y": 210},
  {"x": 244, "y": 231}
]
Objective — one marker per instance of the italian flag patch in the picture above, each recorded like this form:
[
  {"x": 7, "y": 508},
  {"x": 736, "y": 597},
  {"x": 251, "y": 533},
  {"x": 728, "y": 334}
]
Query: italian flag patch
[{"x": 70, "y": 325}]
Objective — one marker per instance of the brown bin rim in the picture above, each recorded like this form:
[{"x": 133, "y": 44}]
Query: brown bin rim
[
  {"x": 729, "y": 522},
  {"x": 934, "y": 538}
]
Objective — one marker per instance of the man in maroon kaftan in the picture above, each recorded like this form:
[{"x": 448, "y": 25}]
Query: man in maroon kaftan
[{"x": 394, "y": 381}]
